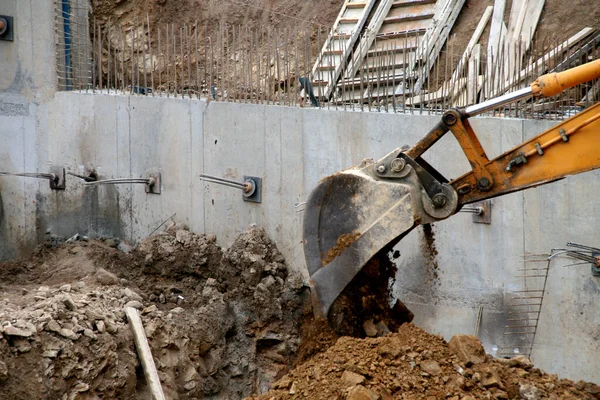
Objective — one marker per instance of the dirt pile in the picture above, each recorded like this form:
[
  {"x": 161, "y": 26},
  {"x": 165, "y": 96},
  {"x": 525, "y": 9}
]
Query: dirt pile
[
  {"x": 412, "y": 364},
  {"x": 253, "y": 14},
  {"x": 221, "y": 324}
]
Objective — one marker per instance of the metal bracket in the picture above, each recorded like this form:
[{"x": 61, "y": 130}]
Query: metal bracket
[
  {"x": 596, "y": 267},
  {"x": 484, "y": 212},
  {"x": 6, "y": 28},
  {"x": 58, "y": 181},
  {"x": 255, "y": 194},
  {"x": 154, "y": 182}
]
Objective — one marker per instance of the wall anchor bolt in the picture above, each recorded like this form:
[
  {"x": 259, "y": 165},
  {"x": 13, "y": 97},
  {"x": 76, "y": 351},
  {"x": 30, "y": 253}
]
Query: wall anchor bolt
[
  {"x": 6, "y": 28},
  {"x": 152, "y": 180},
  {"x": 56, "y": 177},
  {"x": 251, "y": 187},
  {"x": 482, "y": 212}
]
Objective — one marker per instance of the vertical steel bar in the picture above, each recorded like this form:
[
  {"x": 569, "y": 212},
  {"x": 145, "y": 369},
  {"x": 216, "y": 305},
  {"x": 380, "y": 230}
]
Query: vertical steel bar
[
  {"x": 182, "y": 49},
  {"x": 94, "y": 57},
  {"x": 116, "y": 61},
  {"x": 189, "y": 59},
  {"x": 307, "y": 65},
  {"x": 205, "y": 83},
  {"x": 251, "y": 64},
  {"x": 168, "y": 61},
  {"x": 278, "y": 79},
  {"x": 394, "y": 64},
  {"x": 360, "y": 68},
  {"x": 100, "y": 44},
  {"x": 175, "y": 80},
  {"x": 387, "y": 78},
  {"x": 144, "y": 59},
  {"x": 98, "y": 52},
  {"x": 266, "y": 46},
  {"x": 235, "y": 60},
  {"x": 404, "y": 78},
  {"x": 258, "y": 57},
  {"x": 151, "y": 55},
  {"x": 270, "y": 67},
  {"x": 222, "y": 60},
  {"x": 211, "y": 90},
  {"x": 198, "y": 89},
  {"x": 250, "y": 35},
  {"x": 108, "y": 58},
  {"x": 159, "y": 56},
  {"x": 296, "y": 70},
  {"x": 137, "y": 58},
  {"x": 343, "y": 66}
]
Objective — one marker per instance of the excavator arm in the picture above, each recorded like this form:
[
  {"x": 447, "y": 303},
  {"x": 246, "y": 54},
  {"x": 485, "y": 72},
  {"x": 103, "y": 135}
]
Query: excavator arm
[{"x": 354, "y": 214}]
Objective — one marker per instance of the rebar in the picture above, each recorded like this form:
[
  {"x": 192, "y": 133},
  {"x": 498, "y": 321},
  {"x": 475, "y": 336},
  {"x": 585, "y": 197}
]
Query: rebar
[{"x": 264, "y": 66}]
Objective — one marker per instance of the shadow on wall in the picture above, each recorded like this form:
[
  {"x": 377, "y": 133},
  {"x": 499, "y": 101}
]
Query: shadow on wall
[{"x": 94, "y": 212}]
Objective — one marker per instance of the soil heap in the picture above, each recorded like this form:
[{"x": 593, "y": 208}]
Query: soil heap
[
  {"x": 413, "y": 364},
  {"x": 222, "y": 323}
]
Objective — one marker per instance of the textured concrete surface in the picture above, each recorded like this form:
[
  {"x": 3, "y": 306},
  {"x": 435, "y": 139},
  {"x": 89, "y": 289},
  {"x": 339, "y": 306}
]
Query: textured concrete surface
[
  {"x": 33, "y": 46},
  {"x": 467, "y": 265}
]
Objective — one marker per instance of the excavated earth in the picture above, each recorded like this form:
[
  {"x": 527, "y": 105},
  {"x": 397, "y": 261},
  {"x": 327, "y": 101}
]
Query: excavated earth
[
  {"x": 228, "y": 324},
  {"x": 413, "y": 364},
  {"x": 222, "y": 323}
]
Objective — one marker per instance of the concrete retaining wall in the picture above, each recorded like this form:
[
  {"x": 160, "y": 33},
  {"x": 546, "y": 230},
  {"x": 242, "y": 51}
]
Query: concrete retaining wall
[{"x": 291, "y": 149}]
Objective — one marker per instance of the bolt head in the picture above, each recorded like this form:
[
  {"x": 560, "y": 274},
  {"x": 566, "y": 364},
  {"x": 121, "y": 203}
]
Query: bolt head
[
  {"x": 484, "y": 183},
  {"x": 450, "y": 118},
  {"x": 439, "y": 200},
  {"x": 381, "y": 169},
  {"x": 398, "y": 164}
]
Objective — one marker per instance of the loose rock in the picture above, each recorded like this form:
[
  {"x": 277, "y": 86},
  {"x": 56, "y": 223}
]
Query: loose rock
[
  {"x": 431, "y": 367},
  {"x": 18, "y": 332},
  {"x": 352, "y": 379},
  {"x": 362, "y": 393},
  {"x": 135, "y": 304},
  {"x": 468, "y": 349},
  {"x": 68, "y": 333},
  {"x": 103, "y": 277}
]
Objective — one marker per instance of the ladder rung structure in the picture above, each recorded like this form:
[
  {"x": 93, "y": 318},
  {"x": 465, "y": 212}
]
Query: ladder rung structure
[
  {"x": 386, "y": 56},
  {"x": 526, "y": 305},
  {"x": 380, "y": 48},
  {"x": 339, "y": 44}
]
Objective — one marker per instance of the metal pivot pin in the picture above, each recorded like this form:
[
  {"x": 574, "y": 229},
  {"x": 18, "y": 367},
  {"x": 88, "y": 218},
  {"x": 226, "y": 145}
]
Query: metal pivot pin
[{"x": 251, "y": 187}]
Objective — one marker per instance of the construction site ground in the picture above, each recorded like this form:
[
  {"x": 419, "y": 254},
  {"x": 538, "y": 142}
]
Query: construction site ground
[{"x": 222, "y": 324}]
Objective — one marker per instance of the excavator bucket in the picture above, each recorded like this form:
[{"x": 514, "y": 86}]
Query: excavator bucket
[
  {"x": 349, "y": 218},
  {"x": 353, "y": 215}
]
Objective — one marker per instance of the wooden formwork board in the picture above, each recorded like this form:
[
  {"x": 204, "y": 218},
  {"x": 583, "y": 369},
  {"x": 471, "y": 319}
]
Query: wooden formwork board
[
  {"x": 393, "y": 50},
  {"x": 448, "y": 12}
]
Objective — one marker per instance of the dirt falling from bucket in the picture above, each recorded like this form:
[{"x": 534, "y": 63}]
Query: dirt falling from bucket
[{"x": 365, "y": 307}]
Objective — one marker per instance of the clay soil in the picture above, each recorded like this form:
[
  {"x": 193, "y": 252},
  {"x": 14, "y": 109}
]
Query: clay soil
[
  {"x": 413, "y": 364},
  {"x": 253, "y": 14}
]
